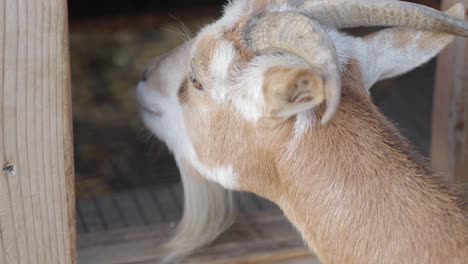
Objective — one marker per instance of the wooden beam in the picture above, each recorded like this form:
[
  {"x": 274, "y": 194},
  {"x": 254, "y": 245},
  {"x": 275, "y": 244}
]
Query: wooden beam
[
  {"x": 449, "y": 151},
  {"x": 461, "y": 171},
  {"x": 36, "y": 178}
]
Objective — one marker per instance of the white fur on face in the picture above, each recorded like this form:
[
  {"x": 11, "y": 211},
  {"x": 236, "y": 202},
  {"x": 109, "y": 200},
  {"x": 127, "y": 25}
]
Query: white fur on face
[
  {"x": 168, "y": 123},
  {"x": 160, "y": 109},
  {"x": 169, "y": 126},
  {"x": 219, "y": 67},
  {"x": 162, "y": 114}
]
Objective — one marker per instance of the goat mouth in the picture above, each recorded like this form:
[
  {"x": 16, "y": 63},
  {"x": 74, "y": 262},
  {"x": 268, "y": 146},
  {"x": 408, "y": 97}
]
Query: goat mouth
[
  {"x": 140, "y": 100},
  {"x": 144, "y": 108}
]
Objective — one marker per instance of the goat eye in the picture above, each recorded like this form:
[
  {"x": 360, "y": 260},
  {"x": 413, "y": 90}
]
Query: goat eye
[{"x": 196, "y": 83}]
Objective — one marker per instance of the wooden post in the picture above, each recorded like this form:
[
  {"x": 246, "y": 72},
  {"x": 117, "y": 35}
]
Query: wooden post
[
  {"x": 36, "y": 178},
  {"x": 449, "y": 149}
]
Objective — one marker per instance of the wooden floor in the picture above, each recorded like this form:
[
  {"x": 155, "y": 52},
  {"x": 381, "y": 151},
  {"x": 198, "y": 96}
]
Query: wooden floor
[
  {"x": 145, "y": 207},
  {"x": 127, "y": 227},
  {"x": 260, "y": 237}
]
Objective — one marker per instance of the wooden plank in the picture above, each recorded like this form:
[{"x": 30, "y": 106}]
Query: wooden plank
[
  {"x": 112, "y": 218},
  {"x": 145, "y": 206},
  {"x": 36, "y": 183},
  {"x": 163, "y": 231},
  {"x": 448, "y": 152},
  {"x": 9, "y": 251},
  {"x": 251, "y": 252},
  {"x": 92, "y": 219},
  {"x": 461, "y": 171},
  {"x": 168, "y": 204},
  {"x": 281, "y": 244},
  {"x": 150, "y": 210},
  {"x": 130, "y": 212}
]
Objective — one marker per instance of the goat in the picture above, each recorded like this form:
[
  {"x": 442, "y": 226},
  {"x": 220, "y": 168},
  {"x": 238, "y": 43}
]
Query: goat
[{"x": 274, "y": 100}]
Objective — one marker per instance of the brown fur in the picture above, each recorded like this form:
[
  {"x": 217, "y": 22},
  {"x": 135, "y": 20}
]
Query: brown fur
[
  {"x": 183, "y": 91},
  {"x": 285, "y": 86},
  {"x": 372, "y": 199},
  {"x": 354, "y": 188},
  {"x": 234, "y": 35},
  {"x": 205, "y": 54}
]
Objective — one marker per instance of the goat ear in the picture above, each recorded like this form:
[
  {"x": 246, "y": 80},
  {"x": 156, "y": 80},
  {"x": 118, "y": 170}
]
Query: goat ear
[
  {"x": 289, "y": 91},
  {"x": 395, "y": 51}
]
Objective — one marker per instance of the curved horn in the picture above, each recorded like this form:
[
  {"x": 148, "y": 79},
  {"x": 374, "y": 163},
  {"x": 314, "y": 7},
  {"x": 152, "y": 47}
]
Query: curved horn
[
  {"x": 295, "y": 33},
  {"x": 357, "y": 13}
]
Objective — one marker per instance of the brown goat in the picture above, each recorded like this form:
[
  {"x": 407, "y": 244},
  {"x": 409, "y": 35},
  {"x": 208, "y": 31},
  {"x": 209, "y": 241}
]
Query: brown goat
[{"x": 243, "y": 106}]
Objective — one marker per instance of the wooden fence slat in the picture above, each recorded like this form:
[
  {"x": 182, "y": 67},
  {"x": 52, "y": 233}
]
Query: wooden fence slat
[
  {"x": 449, "y": 150},
  {"x": 67, "y": 137},
  {"x": 38, "y": 133},
  {"x": 36, "y": 182},
  {"x": 10, "y": 127},
  {"x": 31, "y": 75},
  {"x": 461, "y": 172},
  {"x": 7, "y": 237},
  {"x": 30, "y": 134},
  {"x": 25, "y": 183}
]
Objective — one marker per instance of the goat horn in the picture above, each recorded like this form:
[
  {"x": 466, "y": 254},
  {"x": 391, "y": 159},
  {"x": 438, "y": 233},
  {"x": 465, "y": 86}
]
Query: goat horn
[
  {"x": 295, "y": 33},
  {"x": 359, "y": 13}
]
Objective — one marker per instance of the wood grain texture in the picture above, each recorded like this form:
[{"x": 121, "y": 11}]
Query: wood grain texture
[
  {"x": 461, "y": 171},
  {"x": 36, "y": 182},
  {"x": 448, "y": 151}
]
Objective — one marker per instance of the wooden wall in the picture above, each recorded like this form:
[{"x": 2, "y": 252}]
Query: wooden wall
[
  {"x": 36, "y": 181},
  {"x": 449, "y": 151}
]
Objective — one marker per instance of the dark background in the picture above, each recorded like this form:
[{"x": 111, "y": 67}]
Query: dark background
[
  {"x": 110, "y": 44},
  {"x": 82, "y": 9}
]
